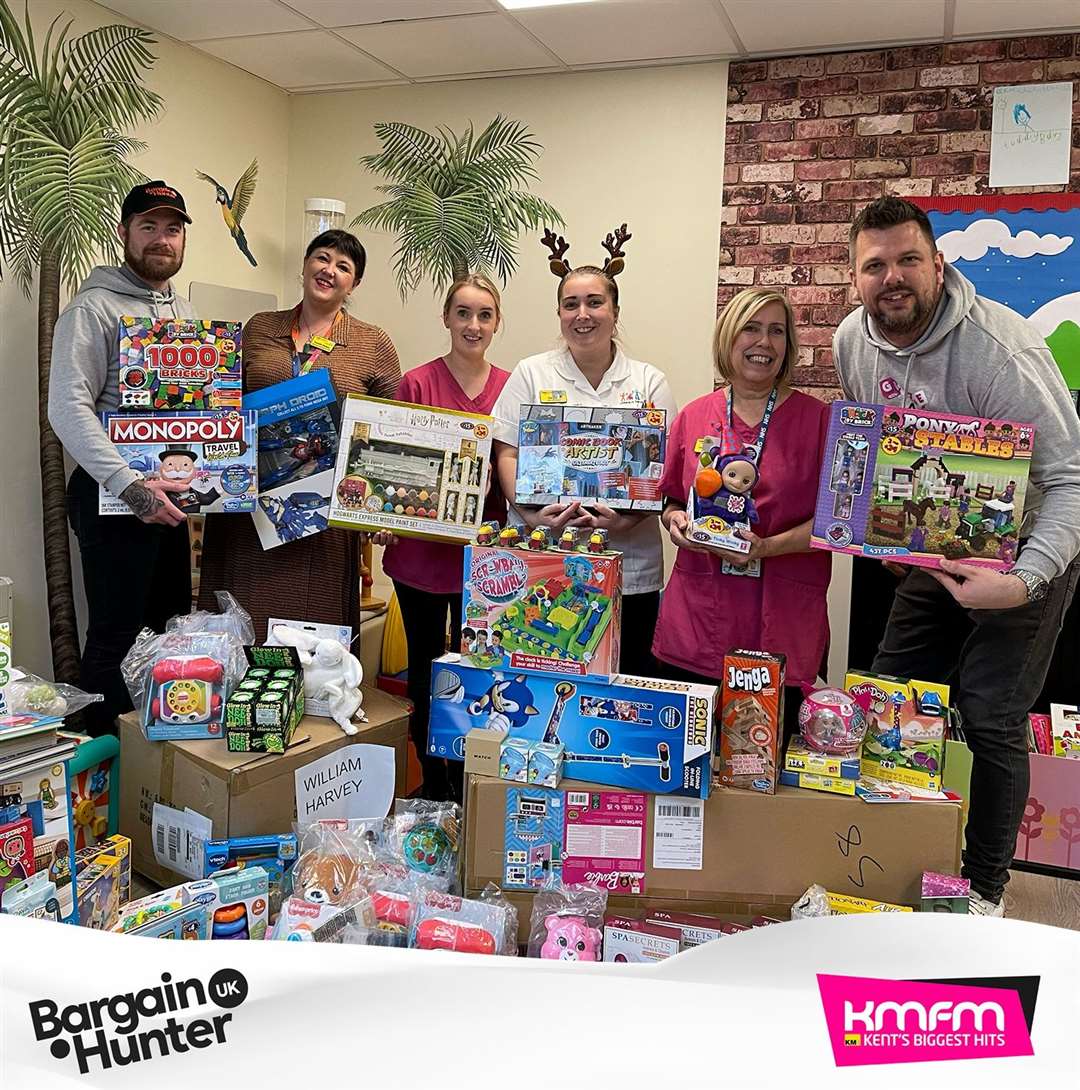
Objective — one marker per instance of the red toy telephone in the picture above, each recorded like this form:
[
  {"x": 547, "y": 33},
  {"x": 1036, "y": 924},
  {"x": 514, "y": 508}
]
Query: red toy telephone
[{"x": 184, "y": 689}]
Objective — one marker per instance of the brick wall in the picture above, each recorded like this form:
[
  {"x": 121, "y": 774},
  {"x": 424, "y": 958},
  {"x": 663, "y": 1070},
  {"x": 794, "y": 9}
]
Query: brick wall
[{"x": 812, "y": 139}]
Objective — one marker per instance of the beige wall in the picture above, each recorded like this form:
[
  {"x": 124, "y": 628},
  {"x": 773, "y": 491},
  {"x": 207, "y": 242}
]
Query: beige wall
[
  {"x": 644, "y": 146},
  {"x": 215, "y": 119}
]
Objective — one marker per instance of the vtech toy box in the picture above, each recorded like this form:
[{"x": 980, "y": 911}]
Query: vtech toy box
[
  {"x": 918, "y": 486},
  {"x": 212, "y": 453},
  {"x": 542, "y": 609},
  {"x": 638, "y": 733}
]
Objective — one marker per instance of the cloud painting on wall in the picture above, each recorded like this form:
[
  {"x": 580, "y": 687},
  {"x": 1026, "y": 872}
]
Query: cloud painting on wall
[{"x": 1023, "y": 251}]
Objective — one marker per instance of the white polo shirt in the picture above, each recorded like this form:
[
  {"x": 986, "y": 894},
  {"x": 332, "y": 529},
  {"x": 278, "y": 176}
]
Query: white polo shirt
[{"x": 628, "y": 384}]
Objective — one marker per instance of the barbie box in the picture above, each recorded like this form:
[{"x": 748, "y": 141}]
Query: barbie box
[
  {"x": 636, "y": 733},
  {"x": 213, "y": 454},
  {"x": 918, "y": 486},
  {"x": 614, "y": 456},
  {"x": 541, "y": 609},
  {"x": 410, "y": 469}
]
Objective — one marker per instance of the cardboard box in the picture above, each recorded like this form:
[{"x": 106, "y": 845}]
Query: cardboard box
[
  {"x": 752, "y": 720},
  {"x": 631, "y": 732},
  {"x": 920, "y": 485},
  {"x": 542, "y": 609},
  {"x": 760, "y": 852},
  {"x": 242, "y": 794},
  {"x": 179, "y": 364},
  {"x": 570, "y": 452},
  {"x": 411, "y": 469},
  {"x": 483, "y": 749}
]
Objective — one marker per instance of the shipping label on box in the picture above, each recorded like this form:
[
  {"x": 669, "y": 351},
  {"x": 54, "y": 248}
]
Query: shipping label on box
[
  {"x": 542, "y": 609},
  {"x": 635, "y": 733},
  {"x": 533, "y": 838},
  {"x": 211, "y": 454},
  {"x": 905, "y": 738},
  {"x": 918, "y": 485},
  {"x": 411, "y": 469},
  {"x": 752, "y": 720},
  {"x": 614, "y": 456},
  {"x": 179, "y": 365}
]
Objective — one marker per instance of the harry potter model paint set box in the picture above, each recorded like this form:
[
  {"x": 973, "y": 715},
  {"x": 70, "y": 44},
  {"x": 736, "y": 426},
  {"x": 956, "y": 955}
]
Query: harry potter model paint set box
[
  {"x": 411, "y": 469},
  {"x": 918, "y": 486},
  {"x": 213, "y": 454},
  {"x": 606, "y": 455}
]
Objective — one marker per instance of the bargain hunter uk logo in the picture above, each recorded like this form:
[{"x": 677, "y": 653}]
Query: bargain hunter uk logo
[
  {"x": 110, "y": 1032},
  {"x": 872, "y": 1021}
]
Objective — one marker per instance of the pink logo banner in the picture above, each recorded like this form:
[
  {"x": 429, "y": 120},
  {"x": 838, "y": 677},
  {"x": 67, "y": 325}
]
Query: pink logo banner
[{"x": 872, "y": 1021}]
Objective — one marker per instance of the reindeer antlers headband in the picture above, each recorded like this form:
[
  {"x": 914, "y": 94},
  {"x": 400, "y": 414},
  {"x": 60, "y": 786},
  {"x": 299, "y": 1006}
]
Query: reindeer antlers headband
[{"x": 614, "y": 263}]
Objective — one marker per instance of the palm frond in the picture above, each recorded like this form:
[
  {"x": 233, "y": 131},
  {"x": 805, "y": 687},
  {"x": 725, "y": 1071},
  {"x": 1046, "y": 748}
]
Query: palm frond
[{"x": 455, "y": 200}]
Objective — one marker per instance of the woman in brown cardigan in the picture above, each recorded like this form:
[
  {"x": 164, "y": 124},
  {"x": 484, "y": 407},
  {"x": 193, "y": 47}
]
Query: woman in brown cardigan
[{"x": 316, "y": 578}]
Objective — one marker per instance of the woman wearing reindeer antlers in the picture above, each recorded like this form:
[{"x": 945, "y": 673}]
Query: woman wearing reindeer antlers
[{"x": 592, "y": 370}]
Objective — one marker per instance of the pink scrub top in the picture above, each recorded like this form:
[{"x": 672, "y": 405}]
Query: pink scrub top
[
  {"x": 704, "y": 613},
  {"x": 437, "y": 566}
]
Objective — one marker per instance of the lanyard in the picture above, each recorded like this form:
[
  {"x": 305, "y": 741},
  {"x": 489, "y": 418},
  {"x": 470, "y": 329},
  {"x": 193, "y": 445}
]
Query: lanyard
[
  {"x": 758, "y": 446},
  {"x": 304, "y": 359}
]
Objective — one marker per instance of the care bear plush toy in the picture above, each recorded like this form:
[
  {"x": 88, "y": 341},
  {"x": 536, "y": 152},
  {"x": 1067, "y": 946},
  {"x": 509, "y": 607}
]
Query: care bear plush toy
[{"x": 570, "y": 938}]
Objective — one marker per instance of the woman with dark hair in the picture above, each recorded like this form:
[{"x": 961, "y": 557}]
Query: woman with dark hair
[{"x": 316, "y": 578}]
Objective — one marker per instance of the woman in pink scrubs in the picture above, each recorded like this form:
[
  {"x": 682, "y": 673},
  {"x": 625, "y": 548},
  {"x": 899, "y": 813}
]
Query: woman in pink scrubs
[
  {"x": 772, "y": 598},
  {"x": 428, "y": 574}
]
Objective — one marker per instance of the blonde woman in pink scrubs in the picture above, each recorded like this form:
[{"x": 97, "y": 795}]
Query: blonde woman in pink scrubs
[{"x": 774, "y": 597}]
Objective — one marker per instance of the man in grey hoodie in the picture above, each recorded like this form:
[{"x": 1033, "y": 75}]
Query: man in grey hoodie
[
  {"x": 923, "y": 339},
  {"x": 137, "y": 571}
]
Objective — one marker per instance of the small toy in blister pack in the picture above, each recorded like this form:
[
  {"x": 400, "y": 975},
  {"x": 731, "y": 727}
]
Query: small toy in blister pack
[
  {"x": 720, "y": 499},
  {"x": 427, "y": 834},
  {"x": 566, "y": 923},
  {"x": 833, "y": 721},
  {"x": 184, "y": 364}
]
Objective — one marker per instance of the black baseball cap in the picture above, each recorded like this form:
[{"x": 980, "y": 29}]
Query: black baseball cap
[{"x": 152, "y": 195}]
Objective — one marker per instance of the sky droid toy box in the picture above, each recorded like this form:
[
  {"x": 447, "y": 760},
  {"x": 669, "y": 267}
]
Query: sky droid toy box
[
  {"x": 411, "y": 469},
  {"x": 535, "y": 607},
  {"x": 633, "y": 732},
  {"x": 179, "y": 365},
  {"x": 918, "y": 486},
  {"x": 211, "y": 453}
]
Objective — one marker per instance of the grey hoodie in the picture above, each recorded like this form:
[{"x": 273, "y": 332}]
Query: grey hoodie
[
  {"x": 86, "y": 365},
  {"x": 980, "y": 358}
]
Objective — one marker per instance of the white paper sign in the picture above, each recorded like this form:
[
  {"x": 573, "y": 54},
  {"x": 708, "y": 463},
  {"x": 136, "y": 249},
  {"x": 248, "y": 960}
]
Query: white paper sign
[
  {"x": 180, "y": 838},
  {"x": 1030, "y": 141},
  {"x": 353, "y": 782},
  {"x": 678, "y": 832}
]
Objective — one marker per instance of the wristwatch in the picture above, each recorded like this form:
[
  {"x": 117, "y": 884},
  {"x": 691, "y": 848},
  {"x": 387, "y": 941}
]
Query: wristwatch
[{"x": 1036, "y": 585}]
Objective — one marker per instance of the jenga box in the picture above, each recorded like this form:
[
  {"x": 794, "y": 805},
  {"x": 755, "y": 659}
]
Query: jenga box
[{"x": 751, "y": 720}]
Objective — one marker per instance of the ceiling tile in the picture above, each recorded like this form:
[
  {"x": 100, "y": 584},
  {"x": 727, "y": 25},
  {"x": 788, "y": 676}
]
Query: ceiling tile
[
  {"x": 993, "y": 17},
  {"x": 337, "y": 13},
  {"x": 630, "y": 30},
  {"x": 312, "y": 58},
  {"x": 189, "y": 20},
  {"x": 439, "y": 47},
  {"x": 794, "y": 25}
]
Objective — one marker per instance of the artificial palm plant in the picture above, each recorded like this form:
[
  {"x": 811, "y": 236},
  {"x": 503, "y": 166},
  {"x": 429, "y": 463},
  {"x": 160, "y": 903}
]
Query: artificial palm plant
[
  {"x": 64, "y": 109},
  {"x": 456, "y": 201}
]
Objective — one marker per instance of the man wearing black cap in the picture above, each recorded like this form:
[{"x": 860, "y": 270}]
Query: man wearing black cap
[{"x": 137, "y": 571}]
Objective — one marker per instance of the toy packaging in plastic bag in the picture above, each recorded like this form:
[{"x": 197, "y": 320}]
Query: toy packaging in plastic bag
[
  {"x": 29, "y": 694},
  {"x": 179, "y": 364},
  {"x": 567, "y": 922},
  {"x": 181, "y": 679},
  {"x": 426, "y": 836},
  {"x": 445, "y": 922}
]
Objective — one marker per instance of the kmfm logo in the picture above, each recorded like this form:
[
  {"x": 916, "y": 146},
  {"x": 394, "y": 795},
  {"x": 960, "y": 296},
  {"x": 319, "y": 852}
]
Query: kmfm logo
[
  {"x": 872, "y": 1021},
  {"x": 107, "y": 1032}
]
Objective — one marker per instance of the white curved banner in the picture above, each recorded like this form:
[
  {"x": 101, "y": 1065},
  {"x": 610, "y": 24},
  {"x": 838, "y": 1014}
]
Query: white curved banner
[{"x": 804, "y": 1003}]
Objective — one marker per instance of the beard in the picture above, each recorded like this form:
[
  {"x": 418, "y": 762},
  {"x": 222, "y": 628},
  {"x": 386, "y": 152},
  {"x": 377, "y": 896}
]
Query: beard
[
  {"x": 921, "y": 307},
  {"x": 153, "y": 266}
]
